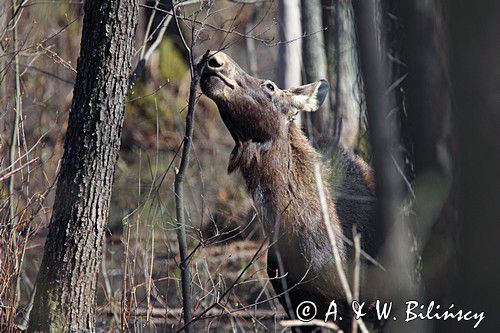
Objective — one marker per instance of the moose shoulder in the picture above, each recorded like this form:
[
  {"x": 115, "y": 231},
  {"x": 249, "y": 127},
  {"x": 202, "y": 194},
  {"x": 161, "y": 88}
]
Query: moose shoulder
[{"x": 277, "y": 163}]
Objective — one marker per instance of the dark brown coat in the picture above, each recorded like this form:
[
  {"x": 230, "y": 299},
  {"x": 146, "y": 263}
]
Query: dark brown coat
[{"x": 277, "y": 163}]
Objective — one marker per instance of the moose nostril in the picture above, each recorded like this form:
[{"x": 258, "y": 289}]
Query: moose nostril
[{"x": 214, "y": 63}]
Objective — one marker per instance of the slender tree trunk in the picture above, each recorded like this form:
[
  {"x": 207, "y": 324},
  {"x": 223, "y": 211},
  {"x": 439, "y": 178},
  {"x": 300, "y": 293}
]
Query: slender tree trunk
[
  {"x": 347, "y": 98},
  {"x": 315, "y": 68},
  {"x": 290, "y": 60},
  {"x": 250, "y": 42},
  {"x": 66, "y": 283},
  {"x": 290, "y": 50}
]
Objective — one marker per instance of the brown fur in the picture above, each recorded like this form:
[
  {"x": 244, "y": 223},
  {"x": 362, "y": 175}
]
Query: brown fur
[{"x": 277, "y": 163}]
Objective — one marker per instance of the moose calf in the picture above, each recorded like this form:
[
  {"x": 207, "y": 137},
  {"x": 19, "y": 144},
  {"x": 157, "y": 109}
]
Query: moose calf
[{"x": 277, "y": 163}]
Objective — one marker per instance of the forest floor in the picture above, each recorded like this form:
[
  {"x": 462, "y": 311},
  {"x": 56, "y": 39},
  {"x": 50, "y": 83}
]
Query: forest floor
[{"x": 154, "y": 295}]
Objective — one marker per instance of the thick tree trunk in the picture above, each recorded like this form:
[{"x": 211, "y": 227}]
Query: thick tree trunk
[
  {"x": 475, "y": 75},
  {"x": 347, "y": 98},
  {"x": 398, "y": 72},
  {"x": 395, "y": 255},
  {"x": 66, "y": 283},
  {"x": 315, "y": 68},
  {"x": 423, "y": 53},
  {"x": 422, "y": 41}
]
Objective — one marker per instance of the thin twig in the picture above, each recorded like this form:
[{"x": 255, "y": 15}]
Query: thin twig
[
  {"x": 10, "y": 174},
  {"x": 145, "y": 55},
  {"x": 12, "y": 155},
  {"x": 247, "y": 266},
  {"x": 179, "y": 180},
  {"x": 333, "y": 241},
  {"x": 15, "y": 125},
  {"x": 266, "y": 42}
]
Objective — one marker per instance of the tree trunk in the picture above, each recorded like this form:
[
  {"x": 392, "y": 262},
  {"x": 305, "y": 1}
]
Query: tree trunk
[
  {"x": 395, "y": 41},
  {"x": 290, "y": 52},
  {"x": 315, "y": 68},
  {"x": 422, "y": 40},
  {"x": 427, "y": 86},
  {"x": 475, "y": 75},
  {"x": 395, "y": 255},
  {"x": 289, "y": 62},
  {"x": 250, "y": 42},
  {"x": 347, "y": 98},
  {"x": 66, "y": 283}
]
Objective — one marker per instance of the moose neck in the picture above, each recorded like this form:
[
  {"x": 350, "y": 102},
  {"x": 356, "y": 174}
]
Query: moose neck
[{"x": 279, "y": 173}]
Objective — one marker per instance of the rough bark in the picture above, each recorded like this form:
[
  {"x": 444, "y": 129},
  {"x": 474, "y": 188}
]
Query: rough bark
[
  {"x": 347, "y": 98},
  {"x": 315, "y": 68},
  {"x": 66, "y": 283}
]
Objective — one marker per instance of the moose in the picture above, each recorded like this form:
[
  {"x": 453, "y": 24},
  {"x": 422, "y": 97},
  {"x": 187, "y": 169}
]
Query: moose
[{"x": 277, "y": 162}]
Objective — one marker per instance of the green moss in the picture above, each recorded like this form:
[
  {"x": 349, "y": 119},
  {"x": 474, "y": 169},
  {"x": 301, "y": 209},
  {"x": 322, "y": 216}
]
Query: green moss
[
  {"x": 363, "y": 148},
  {"x": 172, "y": 65},
  {"x": 57, "y": 320}
]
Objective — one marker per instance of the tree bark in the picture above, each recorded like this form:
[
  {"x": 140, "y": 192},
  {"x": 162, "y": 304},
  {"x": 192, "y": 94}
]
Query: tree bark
[
  {"x": 67, "y": 280},
  {"x": 315, "y": 68},
  {"x": 347, "y": 98}
]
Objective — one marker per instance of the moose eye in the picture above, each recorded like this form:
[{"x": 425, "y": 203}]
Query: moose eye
[{"x": 270, "y": 86}]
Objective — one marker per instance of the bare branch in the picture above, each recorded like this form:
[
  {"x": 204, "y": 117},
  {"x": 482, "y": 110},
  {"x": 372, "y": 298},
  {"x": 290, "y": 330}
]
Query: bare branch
[
  {"x": 333, "y": 241},
  {"x": 145, "y": 55}
]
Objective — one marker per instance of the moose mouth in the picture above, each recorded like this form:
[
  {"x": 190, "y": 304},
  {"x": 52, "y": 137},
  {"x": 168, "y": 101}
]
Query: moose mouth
[
  {"x": 212, "y": 82},
  {"x": 214, "y": 77}
]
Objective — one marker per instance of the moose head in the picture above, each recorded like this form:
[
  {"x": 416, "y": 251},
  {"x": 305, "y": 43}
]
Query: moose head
[{"x": 254, "y": 109}]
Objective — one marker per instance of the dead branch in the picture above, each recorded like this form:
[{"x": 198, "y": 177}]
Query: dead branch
[
  {"x": 333, "y": 241},
  {"x": 180, "y": 174},
  {"x": 145, "y": 55}
]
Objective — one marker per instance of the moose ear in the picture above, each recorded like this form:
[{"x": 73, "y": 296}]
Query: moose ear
[{"x": 309, "y": 97}]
